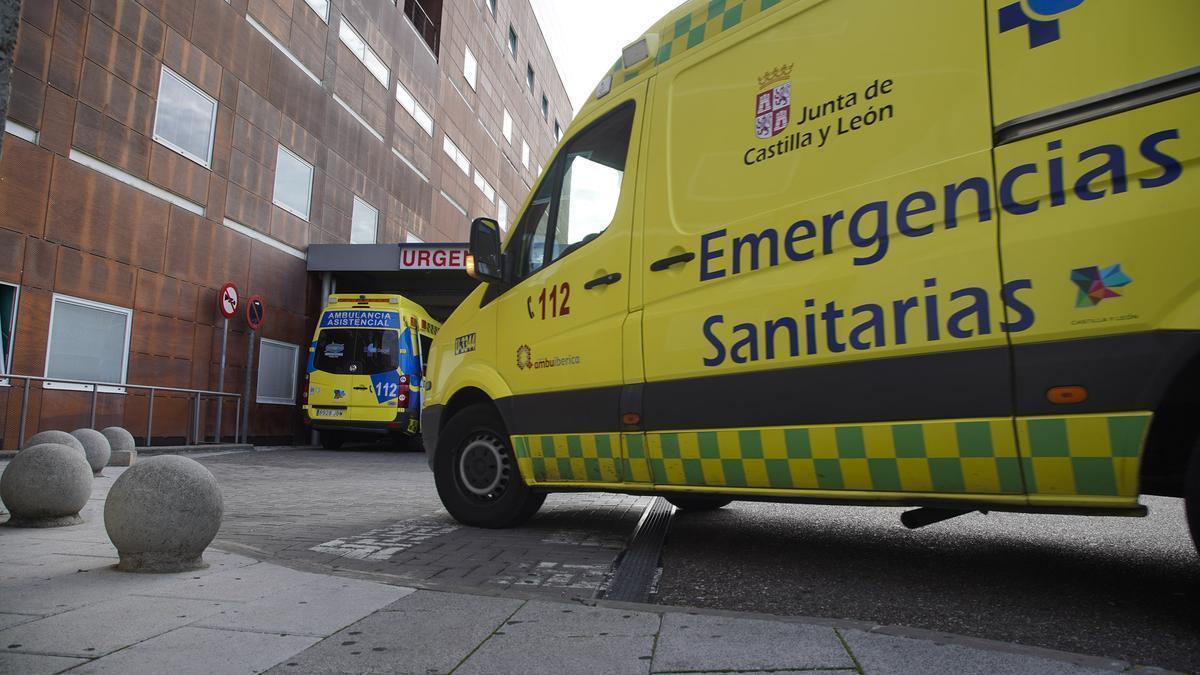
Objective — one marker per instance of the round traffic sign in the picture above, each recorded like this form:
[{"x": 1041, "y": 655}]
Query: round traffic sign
[
  {"x": 227, "y": 301},
  {"x": 255, "y": 310}
]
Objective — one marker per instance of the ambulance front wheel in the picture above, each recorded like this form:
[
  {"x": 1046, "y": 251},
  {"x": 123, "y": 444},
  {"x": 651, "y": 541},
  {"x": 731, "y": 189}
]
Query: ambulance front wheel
[
  {"x": 476, "y": 473},
  {"x": 697, "y": 503}
]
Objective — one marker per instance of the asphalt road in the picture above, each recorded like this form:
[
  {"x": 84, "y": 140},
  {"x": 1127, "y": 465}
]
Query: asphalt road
[{"x": 1118, "y": 587}]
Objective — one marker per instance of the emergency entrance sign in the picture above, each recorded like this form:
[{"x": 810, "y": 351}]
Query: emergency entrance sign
[
  {"x": 433, "y": 258},
  {"x": 360, "y": 319}
]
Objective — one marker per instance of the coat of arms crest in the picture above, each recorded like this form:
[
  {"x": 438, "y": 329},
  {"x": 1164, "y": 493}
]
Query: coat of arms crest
[{"x": 773, "y": 103}]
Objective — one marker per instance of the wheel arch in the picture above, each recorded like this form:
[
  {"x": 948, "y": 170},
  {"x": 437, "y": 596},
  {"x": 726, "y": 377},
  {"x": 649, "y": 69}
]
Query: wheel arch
[{"x": 1174, "y": 434}]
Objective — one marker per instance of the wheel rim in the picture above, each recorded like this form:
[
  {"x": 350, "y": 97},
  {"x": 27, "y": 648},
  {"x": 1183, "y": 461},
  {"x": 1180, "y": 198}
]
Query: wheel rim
[{"x": 484, "y": 467}]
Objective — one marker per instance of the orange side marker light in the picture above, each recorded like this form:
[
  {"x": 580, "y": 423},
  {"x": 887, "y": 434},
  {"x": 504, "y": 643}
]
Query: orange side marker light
[{"x": 1066, "y": 395}]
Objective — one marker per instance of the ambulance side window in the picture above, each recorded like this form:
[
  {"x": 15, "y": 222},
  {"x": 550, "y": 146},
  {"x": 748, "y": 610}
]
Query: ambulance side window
[{"x": 578, "y": 195}]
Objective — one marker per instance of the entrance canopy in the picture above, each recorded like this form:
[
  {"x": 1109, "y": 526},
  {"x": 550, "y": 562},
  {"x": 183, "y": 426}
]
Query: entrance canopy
[{"x": 431, "y": 275}]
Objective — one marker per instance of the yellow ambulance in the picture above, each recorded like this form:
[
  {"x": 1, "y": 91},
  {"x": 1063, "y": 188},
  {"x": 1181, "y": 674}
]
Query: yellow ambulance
[
  {"x": 366, "y": 366},
  {"x": 939, "y": 253}
]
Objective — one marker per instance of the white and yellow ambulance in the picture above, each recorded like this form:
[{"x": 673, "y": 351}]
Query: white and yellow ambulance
[
  {"x": 939, "y": 253},
  {"x": 366, "y": 365}
]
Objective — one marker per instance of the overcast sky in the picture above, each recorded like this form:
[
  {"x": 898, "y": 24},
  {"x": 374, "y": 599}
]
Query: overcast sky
[{"x": 586, "y": 37}]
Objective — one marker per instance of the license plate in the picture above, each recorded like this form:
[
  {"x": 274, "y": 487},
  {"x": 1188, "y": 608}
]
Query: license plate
[{"x": 325, "y": 412}]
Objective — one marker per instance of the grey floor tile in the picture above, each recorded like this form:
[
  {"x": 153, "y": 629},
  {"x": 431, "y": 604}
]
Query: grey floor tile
[
  {"x": 692, "y": 642},
  {"x": 533, "y": 655},
  {"x": 202, "y": 651},
  {"x": 883, "y": 654},
  {"x": 321, "y": 607},
  {"x": 557, "y": 619},
  {"x": 9, "y": 620},
  {"x": 425, "y": 632},
  {"x": 104, "y": 627},
  {"x": 35, "y": 664}
]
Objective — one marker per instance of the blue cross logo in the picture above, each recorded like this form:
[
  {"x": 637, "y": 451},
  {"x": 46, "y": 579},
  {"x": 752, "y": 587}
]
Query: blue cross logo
[{"x": 1043, "y": 26}]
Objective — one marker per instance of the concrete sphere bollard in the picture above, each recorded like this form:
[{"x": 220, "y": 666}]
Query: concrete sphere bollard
[
  {"x": 57, "y": 437},
  {"x": 119, "y": 440},
  {"x": 46, "y": 486},
  {"x": 162, "y": 513},
  {"x": 95, "y": 447}
]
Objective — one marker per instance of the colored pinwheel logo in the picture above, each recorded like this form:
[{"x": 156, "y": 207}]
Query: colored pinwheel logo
[
  {"x": 1097, "y": 283},
  {"x": 1039, "y": 17}
]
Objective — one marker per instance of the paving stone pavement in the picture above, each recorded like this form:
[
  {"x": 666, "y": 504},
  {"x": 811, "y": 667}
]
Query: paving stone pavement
[
  {"x": 64, "y": 607},
  {"x": 375, "y": 512}
]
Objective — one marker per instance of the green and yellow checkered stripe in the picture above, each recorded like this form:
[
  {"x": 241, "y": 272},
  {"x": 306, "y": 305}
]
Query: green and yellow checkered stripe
[
  {"x": 973, "y": 456},
  {"x": 1086, "y": 455},
  {"x": 1077, "y": 456},
  {"x": 711, "y": 19},
  {"x": 591, "y": 458}
]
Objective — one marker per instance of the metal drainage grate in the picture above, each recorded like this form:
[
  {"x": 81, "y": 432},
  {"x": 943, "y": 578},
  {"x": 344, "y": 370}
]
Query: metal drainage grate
[{"x": 635, "y": 574}]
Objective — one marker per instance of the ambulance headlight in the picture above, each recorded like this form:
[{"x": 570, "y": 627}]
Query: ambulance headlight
[{"x": 604, "y": 87}]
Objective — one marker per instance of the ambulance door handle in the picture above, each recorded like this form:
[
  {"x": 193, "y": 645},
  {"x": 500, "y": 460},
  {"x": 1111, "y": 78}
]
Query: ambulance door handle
[
  {"x": 603, "y": 281},
  {"x": 362, "y": 387},
  {"x": 665, "y": 263}
]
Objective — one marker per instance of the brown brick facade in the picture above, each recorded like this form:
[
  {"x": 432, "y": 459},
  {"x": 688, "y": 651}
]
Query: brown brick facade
[{"x": 87, "y": 79}]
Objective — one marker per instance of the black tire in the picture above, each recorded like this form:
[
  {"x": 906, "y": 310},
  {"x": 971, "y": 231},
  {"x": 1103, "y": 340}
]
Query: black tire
[
  {"x": 1192, "y": 496},
  {"x": 476, "y": 472},
  {"x": 697, "y": 503},
  {"x": 332, "y": 440}
]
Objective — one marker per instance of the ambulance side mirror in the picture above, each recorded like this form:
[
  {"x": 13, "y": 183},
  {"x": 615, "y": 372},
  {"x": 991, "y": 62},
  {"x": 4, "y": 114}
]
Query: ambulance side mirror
[{"x": 486, "y": 262}]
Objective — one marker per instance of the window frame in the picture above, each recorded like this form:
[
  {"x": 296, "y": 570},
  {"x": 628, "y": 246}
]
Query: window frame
[
  {"x": 491, "y": 5},
  {"x": 489, "y": 192},
  {"x": 427, "y": 125},
  {"x": 324, "y": 17},
  {"x": 6, "y": 362},
  {"x": 459, "y": 157},
  {"x": 545, "y": 108},
  {"x": 471, "y": 64},
  {"x": 530, "y": 77},
  {"x": 206, "y": 162},
  {"x": 375, "y": 231},
  {"x": 514, "y": 41},
  {"x": 525, "y": 153},
  {"x": 554, "y": 177},
  {"x": 506, "y": 126},
  {"x": 272, "y": 400},
  {"x": 275, "y": 188},
  {"x": 90, "y": 304},
  {"x": 362, "y": 58}
]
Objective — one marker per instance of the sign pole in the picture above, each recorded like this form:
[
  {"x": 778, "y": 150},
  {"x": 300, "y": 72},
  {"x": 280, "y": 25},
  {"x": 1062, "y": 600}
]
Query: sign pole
[
  {"x": 221, "y": 375},
  {"x": 246, "y": 390},
  {"x": 227, "y": 303}
]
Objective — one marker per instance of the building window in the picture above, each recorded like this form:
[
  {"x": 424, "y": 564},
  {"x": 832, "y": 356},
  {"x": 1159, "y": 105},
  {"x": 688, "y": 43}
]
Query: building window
[
  {"x": 185, "y": 118},
  {"x": 293, "y": 183},
  {"x": 485, "y": 187},
  {"x": 459, "y": 157},
  {"x": 277, "y": 366},
  {"x": 414, "y": 239},
  {"x": 557, "y": 131},
  {"x": 419, "y": 13},
  {"x": 512, "y": 40},
  {"x": 524, "y": 154},
  {"x": 492, "y": 7},
  {"x": 9, "y": 295},
  {"x": 502, "y": 215},
  {"x": 506, "y": 127},
  {"x": 358, "y": 47},
  {"x": 88, "y": 341},
  {"x": 529, "y": 77},
  {"x": 470, "y": 67},
  {"x": 545, "y": 108},
  {"x": 409, "y": 103},
  {"x": 321, "y": 7},
  {"x": 363, "y": 223}
]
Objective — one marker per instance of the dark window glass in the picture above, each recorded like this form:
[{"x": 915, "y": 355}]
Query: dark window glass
[
  {"x": 545, "y": 108},
  {"x": 512, "y": 40},
  {"x": 354, "y": 351},
  {"x": 529, "y": 76},
  {"x": 492, "y": 6}
]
